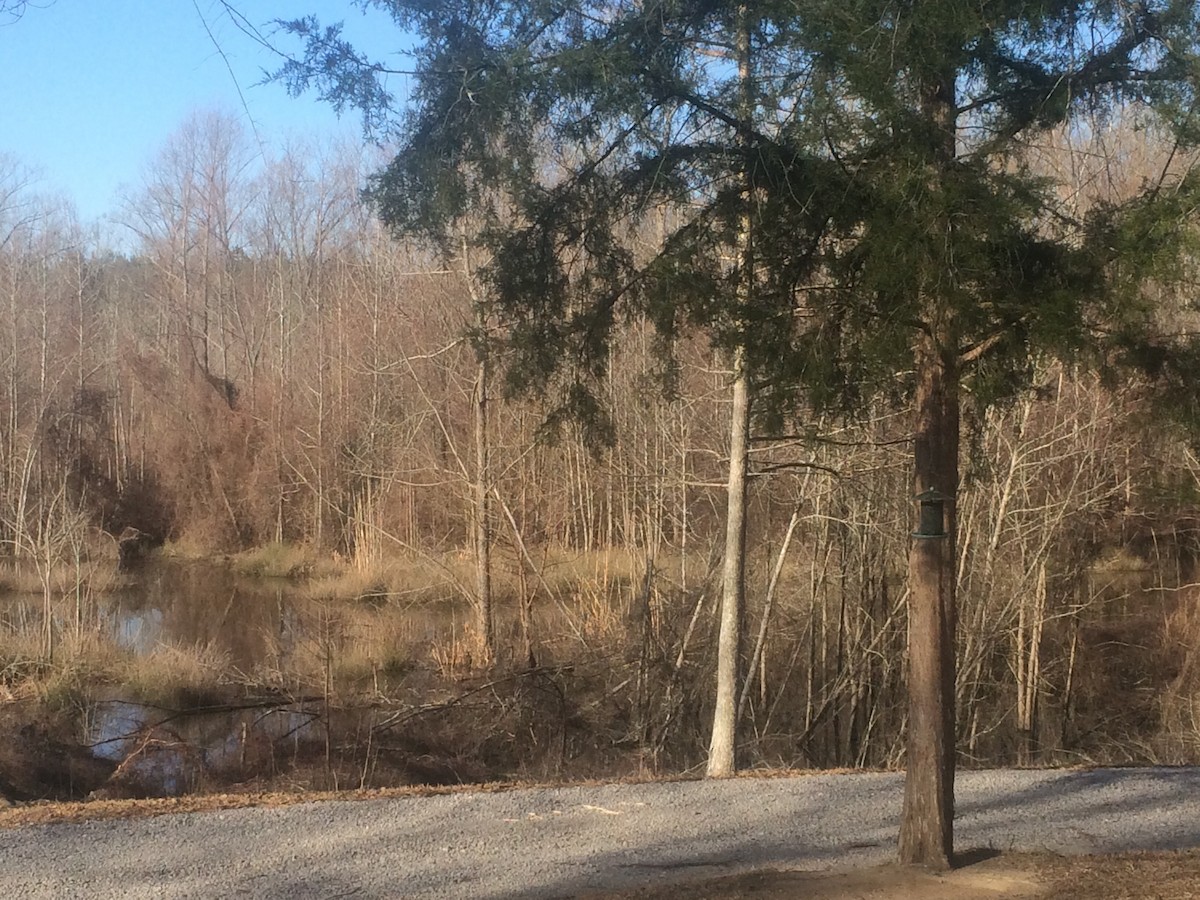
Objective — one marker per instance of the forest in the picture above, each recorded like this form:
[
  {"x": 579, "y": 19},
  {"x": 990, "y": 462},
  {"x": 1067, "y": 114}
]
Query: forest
[{"x": 245, "y": 367}]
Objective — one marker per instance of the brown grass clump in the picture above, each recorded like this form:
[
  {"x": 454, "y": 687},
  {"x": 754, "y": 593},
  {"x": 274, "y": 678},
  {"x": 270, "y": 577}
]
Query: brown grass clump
[
  {"x": 89, "y": 575},
  {"x": 350, "y": 648},
  {"x": 407, "y": 578},
  {"x": 183, "y": 547},
  {"x": 82, "y": 665},
  {"x": 169, "y": 674},
  {"x": 284, "y": 560},
  {"x": 1179, "y": 739}
]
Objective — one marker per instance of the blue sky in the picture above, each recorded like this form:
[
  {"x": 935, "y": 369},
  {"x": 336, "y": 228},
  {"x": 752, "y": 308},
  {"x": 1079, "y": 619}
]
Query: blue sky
[{"x": 90, "y": 89}]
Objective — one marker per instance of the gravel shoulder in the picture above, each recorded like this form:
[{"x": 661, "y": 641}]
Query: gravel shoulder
[{"x": 571, "y": 841}]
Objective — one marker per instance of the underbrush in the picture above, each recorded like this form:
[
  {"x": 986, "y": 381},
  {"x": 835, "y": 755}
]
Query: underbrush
[
  {"x": 374, "y": 676},
  {"x": 378, "y": 694}
]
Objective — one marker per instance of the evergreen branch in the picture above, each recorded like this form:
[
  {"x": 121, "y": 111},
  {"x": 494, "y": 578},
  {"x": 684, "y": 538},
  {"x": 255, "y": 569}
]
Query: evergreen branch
[{"x": 1101, "y": 70}]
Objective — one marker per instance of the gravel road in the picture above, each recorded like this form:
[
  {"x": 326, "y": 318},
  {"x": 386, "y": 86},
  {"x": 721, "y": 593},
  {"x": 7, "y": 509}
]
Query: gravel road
[{"x": 563, "y": 842}]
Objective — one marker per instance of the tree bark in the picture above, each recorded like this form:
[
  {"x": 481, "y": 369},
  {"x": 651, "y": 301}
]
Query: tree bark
[
  {"x": 483, "y": 526},
  {"x": 481, "y": 482},
  {"x": 722, "y": 754},
  {"x": 927, "y": 823},
  {"x": 926, "y": 830},
  {"x": 483, "y": 532},
  {"x": 1031, "y": 618}
]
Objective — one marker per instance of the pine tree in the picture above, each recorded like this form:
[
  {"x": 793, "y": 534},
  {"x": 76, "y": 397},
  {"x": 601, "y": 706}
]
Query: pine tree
[
  {"x": 881, "y": 165},
  {"x": 965, "y": 257}
]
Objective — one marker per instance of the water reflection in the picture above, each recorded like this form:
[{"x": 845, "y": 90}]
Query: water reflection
[
  {"x": 200, "y": 605},
  {"x": 139, "y": 632},
  {"x": 253, "y": 627},
  {"x": 170, "y": 753}
]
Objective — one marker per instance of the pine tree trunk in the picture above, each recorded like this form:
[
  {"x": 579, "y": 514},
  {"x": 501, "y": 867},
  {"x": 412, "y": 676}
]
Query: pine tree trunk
[
  {"x": 926, "y": 829},
  {"x": 927, "y": 822}
]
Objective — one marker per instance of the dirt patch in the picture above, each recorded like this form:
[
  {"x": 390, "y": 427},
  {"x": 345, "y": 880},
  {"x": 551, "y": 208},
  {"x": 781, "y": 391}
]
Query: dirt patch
[
  {"x": 1124, "y": 876},
  {"x": 1002, "y": 877}
]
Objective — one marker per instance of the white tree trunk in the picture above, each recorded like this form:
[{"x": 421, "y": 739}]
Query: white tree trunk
[{"x": 722, "y": 755}]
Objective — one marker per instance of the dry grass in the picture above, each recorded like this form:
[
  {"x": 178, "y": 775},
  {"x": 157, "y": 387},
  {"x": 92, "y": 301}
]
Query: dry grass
[
  {"x": 169, "y": 672},
  {"x": 1121, "y": 560},
  {"x": 359, "y": 632},
  {"x": 69, "y": 681},
  {"x": 414, "y": 578},
  {"x": 1180, "y": 703},
  {"x": 366, "y": 622},
  {"x": 21, "y": 663},
  {"x": 407, "y": 578},
  {"x": 81, "y": 665},
  {"x": 284, "y": 560},
  {"x": 351, "y": 648},
  {"x": 565, "y": 568},
  {"x": 347, "y": 584},
  {"x": 458, "y": 655},
  {"x": 185, "y": 548},
  {"x": 92, "y": 576}
]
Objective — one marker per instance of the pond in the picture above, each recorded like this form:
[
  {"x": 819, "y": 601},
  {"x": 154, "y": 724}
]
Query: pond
[
  {"x": 315, "y": 683},
  {"x": 205, "y": 622}
]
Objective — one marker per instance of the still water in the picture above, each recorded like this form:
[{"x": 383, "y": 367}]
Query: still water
[
  {"x": 252, "y": 622},
  {"x": 257, "y": 631}
]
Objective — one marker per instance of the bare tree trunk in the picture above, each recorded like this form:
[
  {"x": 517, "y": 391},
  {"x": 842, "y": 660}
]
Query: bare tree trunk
[
  {"x": 525, "y": 593},
  {"x": 1031, "y": 617},
  {"x": 682, "y": 500},
  {"x": 757, "y": 658},
  {"x": 722, "y": 755},
  {"x": 278, "y": 400},
  {"x": 483, "y": 533},
  {"x": 1068, "y": 695},
  {"x": 480, "y": 488}
]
